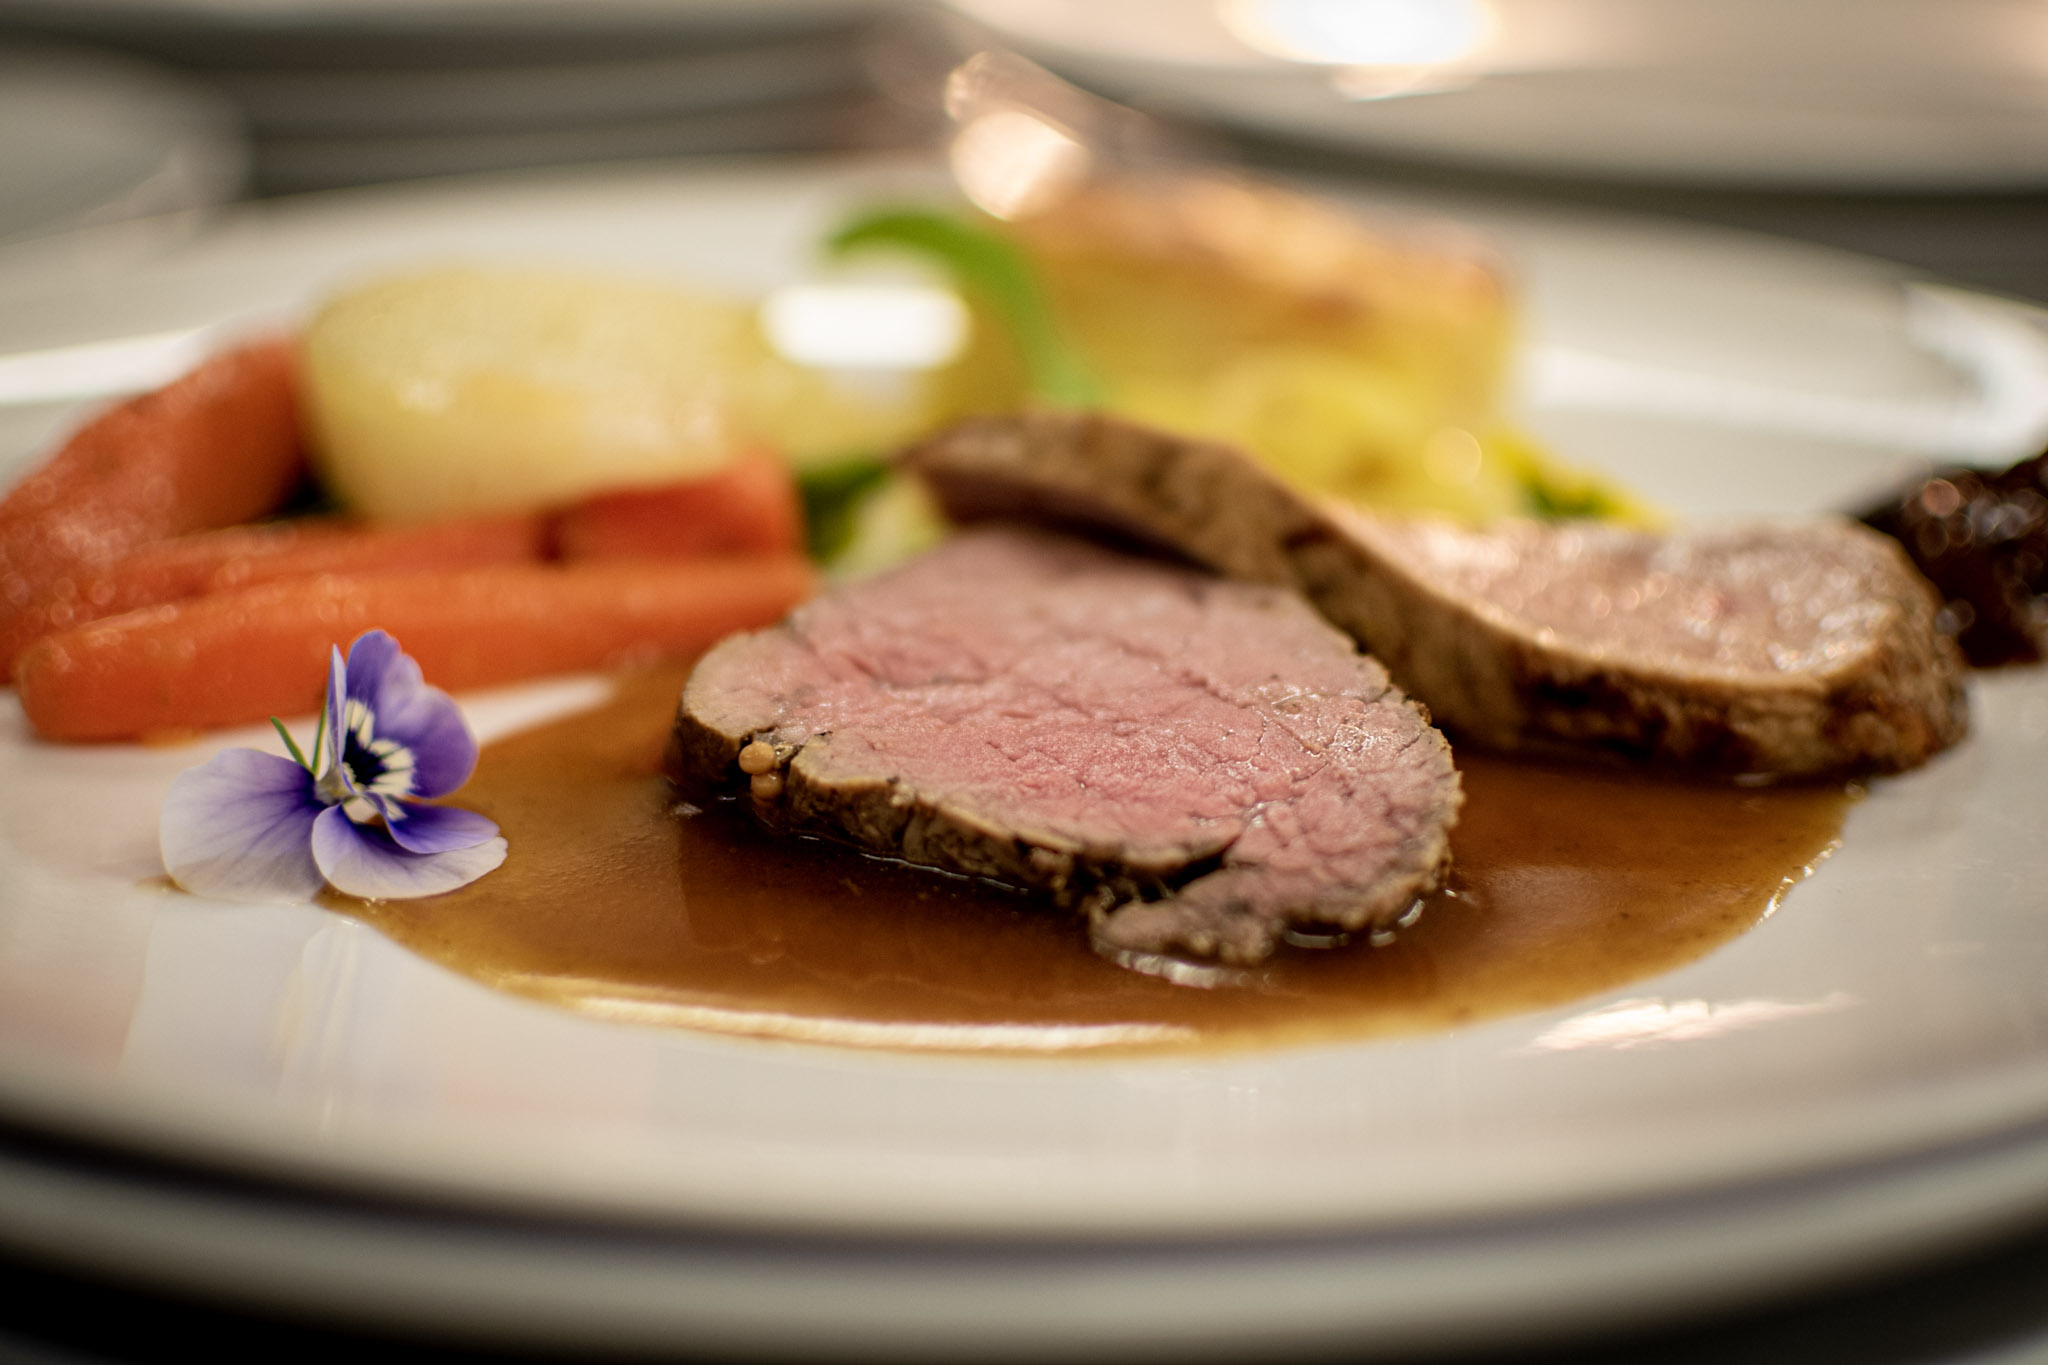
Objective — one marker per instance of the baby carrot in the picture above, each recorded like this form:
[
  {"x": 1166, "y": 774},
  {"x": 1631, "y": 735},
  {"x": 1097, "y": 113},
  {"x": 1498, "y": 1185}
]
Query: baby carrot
[
  {"x": 748, "y": 507},
  {"x": 217, "y": 447},
  {"x": 236, "y": 657},
  {"x": 238, "y": 556}
]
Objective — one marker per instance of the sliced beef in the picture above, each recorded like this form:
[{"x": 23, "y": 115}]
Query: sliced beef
[
  {"x": 1791, "y": 650},
  {"x": 1197, "y": 764}
]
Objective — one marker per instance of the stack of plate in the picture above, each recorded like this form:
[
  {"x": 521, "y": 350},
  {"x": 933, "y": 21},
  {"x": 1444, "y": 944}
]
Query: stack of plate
[
  {"x": 88, "y": 138},
  {"x": 278, "y": 1105},
  {"x": 340, "y": 93}
]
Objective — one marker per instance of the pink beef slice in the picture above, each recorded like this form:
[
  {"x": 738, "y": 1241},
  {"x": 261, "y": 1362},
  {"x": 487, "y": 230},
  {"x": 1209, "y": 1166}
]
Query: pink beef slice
[
  {"x": 1793, "y": 650},
  {"x": 1197, "y": 764}
]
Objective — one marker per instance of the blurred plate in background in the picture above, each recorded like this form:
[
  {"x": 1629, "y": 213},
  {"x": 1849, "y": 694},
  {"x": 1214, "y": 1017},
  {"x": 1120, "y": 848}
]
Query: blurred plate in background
[
  {"x": 1941, "y": 95},
  {"x": 280, "y": 17},
  {"x": 338, "y": 93},
  {"x": 87, "y": 138}
]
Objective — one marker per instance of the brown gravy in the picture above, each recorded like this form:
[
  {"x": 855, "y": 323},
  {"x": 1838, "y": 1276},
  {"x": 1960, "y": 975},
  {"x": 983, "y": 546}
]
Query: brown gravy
[{"x": 1568, "y": 881}]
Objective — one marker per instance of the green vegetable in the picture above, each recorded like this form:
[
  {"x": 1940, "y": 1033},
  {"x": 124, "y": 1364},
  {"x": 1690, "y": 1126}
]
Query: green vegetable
[
  {"x": 832, "y": 495},
  {"x": 998, "y": 277},
  {"x": 1554, "y": 499}
]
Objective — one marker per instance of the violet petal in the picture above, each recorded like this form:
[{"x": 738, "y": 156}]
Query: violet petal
[
  {"x": 424, "y": 719},
  {"x": 363, "y": 860},
  {"x": 435, "y": 829},
  {"x": 240, "y": 826}
]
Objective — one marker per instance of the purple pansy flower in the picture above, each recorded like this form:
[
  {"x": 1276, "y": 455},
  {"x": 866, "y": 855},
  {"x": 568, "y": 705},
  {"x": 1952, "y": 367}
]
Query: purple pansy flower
[{"x": 251, "y": 826}]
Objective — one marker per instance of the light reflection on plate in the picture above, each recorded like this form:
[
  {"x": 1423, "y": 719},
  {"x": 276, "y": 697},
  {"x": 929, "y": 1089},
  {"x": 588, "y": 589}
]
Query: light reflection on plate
[{"x": 1651, "y": 1023}]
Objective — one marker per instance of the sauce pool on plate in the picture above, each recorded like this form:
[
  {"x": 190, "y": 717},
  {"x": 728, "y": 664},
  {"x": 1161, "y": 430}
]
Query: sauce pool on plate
[{"x": 1567, "y": 881}]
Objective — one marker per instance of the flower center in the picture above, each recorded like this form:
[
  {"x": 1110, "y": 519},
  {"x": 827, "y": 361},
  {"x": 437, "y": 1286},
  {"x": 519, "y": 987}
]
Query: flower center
[{"x": 376, "y": 765}]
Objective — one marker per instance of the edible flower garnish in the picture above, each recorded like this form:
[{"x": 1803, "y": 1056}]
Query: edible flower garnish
[{"x": 251, "y": 826}]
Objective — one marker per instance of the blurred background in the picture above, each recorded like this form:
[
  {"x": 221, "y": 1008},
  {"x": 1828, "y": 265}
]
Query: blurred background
[{"x": 1912, "y": 130}]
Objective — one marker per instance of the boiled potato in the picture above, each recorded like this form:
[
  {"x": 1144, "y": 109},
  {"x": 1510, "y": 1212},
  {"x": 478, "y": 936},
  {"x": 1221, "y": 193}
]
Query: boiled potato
[{"x": 475, "y": 389}]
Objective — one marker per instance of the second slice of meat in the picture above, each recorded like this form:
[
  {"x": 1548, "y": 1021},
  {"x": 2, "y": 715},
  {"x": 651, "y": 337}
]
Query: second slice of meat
[
  {"x": 1196, "y": 763},
  {"x": 1793, "y": 650}
]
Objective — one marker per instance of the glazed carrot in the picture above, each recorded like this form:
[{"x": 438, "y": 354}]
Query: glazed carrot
[
  {"x": 238, "y": 656},
  {"x": 217, "y": 447},
  {"x": 749, "y": 507},
  {"x": 214, "y": 561}
]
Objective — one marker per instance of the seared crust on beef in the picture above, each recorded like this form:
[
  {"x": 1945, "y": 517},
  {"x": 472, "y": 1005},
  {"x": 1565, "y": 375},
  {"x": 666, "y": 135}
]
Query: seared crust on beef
[
  {"x": 1790, "y": 650},
  {"x": 1197, "y": 764}
]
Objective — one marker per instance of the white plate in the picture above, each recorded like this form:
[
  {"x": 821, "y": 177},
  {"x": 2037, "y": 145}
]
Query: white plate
[
  {"x": 1920, "y": 95},
  {"x": 90, "y": 138},
  {"x": 1863, "y": 1076}
]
